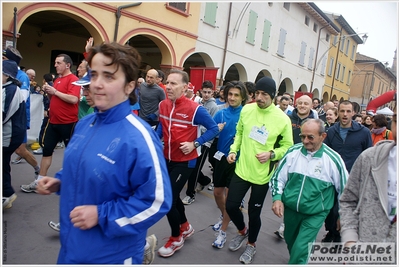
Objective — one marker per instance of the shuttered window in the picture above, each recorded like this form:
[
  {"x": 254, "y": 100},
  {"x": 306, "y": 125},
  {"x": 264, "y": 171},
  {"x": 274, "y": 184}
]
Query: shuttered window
[
  {"x": 253, "y": 17},
  {"x": 281, "y": 42},
  {"x": 267, "y": 25},
  {"x": 210, "y": 13}
]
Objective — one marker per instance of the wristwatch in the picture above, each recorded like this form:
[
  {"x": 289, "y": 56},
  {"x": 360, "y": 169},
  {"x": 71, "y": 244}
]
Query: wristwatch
[
  {"x": 272, "y": 155},
  {"x": 196, "y": 144}
]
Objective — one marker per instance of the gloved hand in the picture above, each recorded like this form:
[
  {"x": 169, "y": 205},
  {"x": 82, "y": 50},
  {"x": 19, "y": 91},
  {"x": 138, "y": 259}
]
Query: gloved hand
[{"x": 152, "y": 117}]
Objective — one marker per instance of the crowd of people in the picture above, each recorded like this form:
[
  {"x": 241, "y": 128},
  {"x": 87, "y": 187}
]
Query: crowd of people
[{"x": 312, "y": 156}]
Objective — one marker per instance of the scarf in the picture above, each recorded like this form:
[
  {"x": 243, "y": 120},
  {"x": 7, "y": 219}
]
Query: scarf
[{"x": 378, "y": 131}]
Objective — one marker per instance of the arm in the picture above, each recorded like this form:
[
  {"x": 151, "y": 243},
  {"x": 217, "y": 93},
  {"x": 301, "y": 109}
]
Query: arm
[
  {"x": 278, "y": 181},
  {"x": 348, "y": 203},
  {"x": 69, "y": 98},
  {"x": 152, "y": 197},
  {"x": 202, "y": 117},
  {"x": 285, "y": 142},
  {"x": 235, "y": 147},
  {"x": 89, "y": 45},
  {"x": 159, "y": 130}
]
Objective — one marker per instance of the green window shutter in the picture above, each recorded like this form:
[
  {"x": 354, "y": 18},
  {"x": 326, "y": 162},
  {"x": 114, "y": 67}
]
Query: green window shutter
[
  {"x": 266, "y": 35},
  {"x": 252, "y": 27},
  {"x": 210, "y": 13}
]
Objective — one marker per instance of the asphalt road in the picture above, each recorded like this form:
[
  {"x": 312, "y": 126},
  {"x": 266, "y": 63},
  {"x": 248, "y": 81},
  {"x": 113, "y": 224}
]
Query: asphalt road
[{"x": 27, "y": 239}]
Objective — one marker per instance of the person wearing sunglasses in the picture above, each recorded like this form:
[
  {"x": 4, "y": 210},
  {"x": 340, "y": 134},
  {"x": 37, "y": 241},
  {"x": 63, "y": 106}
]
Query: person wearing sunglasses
[{"x": 303, "y": 188}]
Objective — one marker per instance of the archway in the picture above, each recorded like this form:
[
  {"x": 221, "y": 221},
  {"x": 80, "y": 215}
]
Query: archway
[
  {"x": 47, "y": 33},
  {"x": 263, "y": 73},
  {"x": 286, "y": 86},
  {"x": 236, "y": 72}
]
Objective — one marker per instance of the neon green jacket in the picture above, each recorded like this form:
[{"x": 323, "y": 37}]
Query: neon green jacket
[{"x": 278, "y": 126}]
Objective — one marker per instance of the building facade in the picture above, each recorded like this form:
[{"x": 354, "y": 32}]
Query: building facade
[
  {"x": 341, "y": 61},
  {"x": 291, "y": 42},
  {"x": 370, "y": 79}
]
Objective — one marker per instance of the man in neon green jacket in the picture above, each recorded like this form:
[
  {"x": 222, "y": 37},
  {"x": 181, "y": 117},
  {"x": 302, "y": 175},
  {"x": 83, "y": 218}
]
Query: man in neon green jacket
[
  {"x": 303, "y": 188},
  {"x": 264, "y": 134}
]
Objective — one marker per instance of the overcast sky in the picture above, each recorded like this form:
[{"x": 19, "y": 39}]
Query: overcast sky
[{"x": 379, "y": 19}]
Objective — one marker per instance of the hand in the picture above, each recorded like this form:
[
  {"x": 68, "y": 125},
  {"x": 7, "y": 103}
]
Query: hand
[
  {"x": 89, "y": 44},
  {"x": 231, "y": 158},
  {"x": 84, "y": 217},
  {"x": 48, "y": 185},
  {"x": 263, "y": 156},
  {"x": 187, "y": 147},
  {"x": 221, "y": 126},
  {"x": 49, "y": 89},
  {"x": 278, "y": 208},
  {"x": 338, "y": 225}
]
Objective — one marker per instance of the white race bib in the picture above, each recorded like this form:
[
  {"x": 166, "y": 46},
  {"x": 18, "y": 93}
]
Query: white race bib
[{"x": 259, "y": 134}]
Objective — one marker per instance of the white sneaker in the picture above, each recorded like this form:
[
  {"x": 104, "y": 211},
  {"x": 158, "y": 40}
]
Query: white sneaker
[
  {"x": 188, "y": 200},
  {"x": 7, "y": 201},
  {"x": 171, "y": 247},
  {"x": 199, "y": 187},
  {"x": 149, "y": 251},
  {"x": 211, "y": 187},
  {"x": 220, "y": 240},
  {"x": 17, "y": 160},
  {"x": 54, "y": 226},
  {"x": 280, "y": 231},
  {"x": 38, "y": 151},
  {"x": 218, "y": 225},
  {"x": 29, "y": 188}
]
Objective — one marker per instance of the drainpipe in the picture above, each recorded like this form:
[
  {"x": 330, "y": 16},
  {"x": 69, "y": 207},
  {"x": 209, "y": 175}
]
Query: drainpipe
[
  {"x": 225, "y": 46},
  {"x": 14, "y": 34},
  {"x": 118, "y": 15}
]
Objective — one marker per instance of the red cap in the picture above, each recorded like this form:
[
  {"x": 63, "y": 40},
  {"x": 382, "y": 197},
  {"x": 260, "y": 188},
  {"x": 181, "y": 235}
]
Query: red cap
[{"x": 191, "y": 86}]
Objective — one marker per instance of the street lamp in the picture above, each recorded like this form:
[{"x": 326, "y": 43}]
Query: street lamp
[
  {"x": 364, "y": 38},
  {"x": 316, "y": 64}
]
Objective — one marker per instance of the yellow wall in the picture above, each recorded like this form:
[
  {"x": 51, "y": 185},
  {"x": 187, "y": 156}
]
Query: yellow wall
[
  {"x": 175, "y": 34},
  {"x": 341, "y": 88}
]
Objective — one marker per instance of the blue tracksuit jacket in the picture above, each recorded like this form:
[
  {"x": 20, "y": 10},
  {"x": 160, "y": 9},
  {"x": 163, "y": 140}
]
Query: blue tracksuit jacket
[{"x": 114, "y": 160}]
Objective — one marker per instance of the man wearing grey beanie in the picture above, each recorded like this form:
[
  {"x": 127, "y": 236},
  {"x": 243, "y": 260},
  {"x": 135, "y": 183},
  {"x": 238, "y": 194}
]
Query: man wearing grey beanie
[{"x": 264, "y": 134}]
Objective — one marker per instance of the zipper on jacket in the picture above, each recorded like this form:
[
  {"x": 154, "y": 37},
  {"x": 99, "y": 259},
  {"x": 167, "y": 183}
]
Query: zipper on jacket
[
  {"x": 322, "y": 198},
  {"x": 169, "y": 131},
  {"x": 300, "y": 194}
]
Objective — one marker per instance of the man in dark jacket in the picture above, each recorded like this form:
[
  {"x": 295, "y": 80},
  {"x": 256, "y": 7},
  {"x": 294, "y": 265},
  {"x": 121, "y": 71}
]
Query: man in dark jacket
[
  {"x": 299, "y": 114},
  {"x": 349, "y": 139}
]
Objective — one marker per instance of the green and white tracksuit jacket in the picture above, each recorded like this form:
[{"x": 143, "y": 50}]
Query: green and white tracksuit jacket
[{"x": 305, "y": 182}]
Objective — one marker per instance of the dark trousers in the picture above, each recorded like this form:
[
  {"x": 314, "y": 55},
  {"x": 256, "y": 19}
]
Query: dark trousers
[
  {"x": 7, "y": 152},
  {"x": 212, "y": 150},
  {"x": 178, "y": 174},
  {"x": 196, "y": 175},
  {"x": 44, "y": 123},
  {"x": 331, "y": 220},
  {"x": 237, "y": 190}
]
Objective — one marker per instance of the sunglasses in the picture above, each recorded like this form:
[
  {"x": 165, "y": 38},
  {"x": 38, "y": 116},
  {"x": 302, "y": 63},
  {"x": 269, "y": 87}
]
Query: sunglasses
[{"x": 304, "y": 136}]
